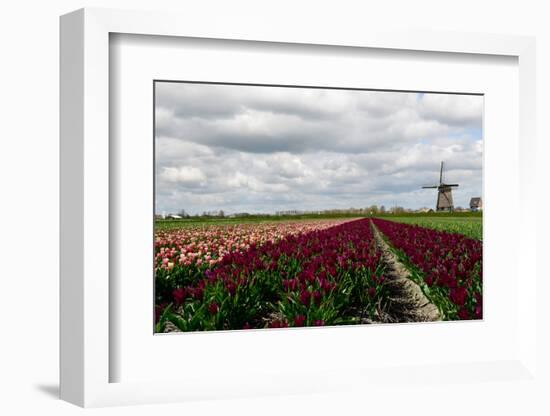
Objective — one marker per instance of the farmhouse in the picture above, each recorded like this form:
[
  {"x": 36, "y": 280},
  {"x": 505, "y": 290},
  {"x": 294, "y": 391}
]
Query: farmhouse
[{"x": 476, "y": 204}]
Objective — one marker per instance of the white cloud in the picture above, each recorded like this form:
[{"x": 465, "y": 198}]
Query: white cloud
[
  {"x": 453, "y": 109},
  {"x": 260, "y": 149},
  {"x": 188, "y": 175},
  {"x": 288, "y": 166}
]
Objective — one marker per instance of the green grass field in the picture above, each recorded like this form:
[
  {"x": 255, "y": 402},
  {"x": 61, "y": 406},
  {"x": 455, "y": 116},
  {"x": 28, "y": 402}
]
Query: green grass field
[{"x": 471, "y": 226}]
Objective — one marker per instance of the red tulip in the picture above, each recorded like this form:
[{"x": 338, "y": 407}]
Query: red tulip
[
  {"x": 305, "y": 297},
  {"x": 463, "y": 314},
  {"x": 179, "y": 295},
  {"x": 231, "y": 288},
  {"x": 279, "y": 324},
  {"x": 317, "y": 297},
  {"x": 459, "y": 295},
  {"x": 300, "y": 320},
  {"x": 213, "y": 308}
]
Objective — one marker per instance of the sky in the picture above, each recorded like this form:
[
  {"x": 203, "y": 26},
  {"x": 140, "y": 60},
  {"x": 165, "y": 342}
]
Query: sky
[{"x": 262, "y": 149}]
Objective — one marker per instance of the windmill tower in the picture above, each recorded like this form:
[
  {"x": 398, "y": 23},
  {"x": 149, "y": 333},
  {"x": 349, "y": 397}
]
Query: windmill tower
[{"x": 444, "y": 193}]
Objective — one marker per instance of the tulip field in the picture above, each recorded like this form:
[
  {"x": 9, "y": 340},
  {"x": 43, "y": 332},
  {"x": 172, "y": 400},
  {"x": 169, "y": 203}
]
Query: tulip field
[{"x": 314, "y": 272}]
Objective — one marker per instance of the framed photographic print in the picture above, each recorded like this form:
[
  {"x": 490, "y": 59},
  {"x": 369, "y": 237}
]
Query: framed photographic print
[{"x": 266, "y": 212}]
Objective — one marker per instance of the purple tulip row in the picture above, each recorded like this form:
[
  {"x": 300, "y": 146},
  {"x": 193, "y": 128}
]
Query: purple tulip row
[{"x": 450, "y": 265}]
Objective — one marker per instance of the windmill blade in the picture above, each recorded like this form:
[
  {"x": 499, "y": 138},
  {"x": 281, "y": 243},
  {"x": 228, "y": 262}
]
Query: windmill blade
[
  {"x": 452, "y": 184},
  {"x": 441, "y": 174},
  {"x": 430, "y": 187}
]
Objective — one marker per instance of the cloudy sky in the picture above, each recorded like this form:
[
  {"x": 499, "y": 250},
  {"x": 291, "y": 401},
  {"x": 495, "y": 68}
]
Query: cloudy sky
[{"x": 262, "y": 149}]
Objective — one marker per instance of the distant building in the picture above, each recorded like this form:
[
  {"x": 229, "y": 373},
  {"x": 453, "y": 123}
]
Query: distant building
[
  {"x": 476, "y": 204},
  {"x": 289, "y": 212},
  {"x": 174, "y": 217},
  {"x": 460, "y": 209}
]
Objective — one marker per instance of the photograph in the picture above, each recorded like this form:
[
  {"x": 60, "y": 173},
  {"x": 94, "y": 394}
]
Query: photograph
[{"x": 279, "y": 206}]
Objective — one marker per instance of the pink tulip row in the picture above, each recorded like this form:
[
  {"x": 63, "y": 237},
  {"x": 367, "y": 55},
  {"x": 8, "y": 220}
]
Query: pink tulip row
[{"x": 206, "y": 245}]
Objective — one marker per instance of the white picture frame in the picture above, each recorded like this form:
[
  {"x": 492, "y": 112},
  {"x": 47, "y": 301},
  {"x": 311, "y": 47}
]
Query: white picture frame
[{"x": 85, "y": 353}]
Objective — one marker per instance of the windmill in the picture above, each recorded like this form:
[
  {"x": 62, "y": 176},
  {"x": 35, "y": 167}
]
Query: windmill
[{"x": 444, "y": 193}]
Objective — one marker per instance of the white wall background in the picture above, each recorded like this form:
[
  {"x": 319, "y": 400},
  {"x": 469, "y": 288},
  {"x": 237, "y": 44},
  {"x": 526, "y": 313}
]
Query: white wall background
[{"x": 29, "y": 192}]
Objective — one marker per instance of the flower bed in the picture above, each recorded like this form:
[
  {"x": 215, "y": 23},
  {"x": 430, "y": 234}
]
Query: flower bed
[
  {"x": 317, "y": 276},
  {"x": 449, "y": 266}
]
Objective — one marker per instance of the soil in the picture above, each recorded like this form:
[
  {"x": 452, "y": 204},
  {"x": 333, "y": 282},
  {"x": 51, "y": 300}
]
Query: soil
[
  {"x": 407, "y": 302},
  {"x": 170, "y": 327}
]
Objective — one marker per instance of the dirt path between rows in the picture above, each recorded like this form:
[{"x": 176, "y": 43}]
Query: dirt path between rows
[{"x": 407, "y": 302}]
